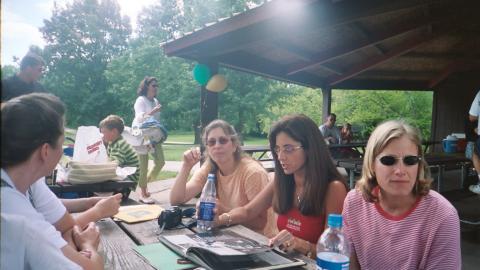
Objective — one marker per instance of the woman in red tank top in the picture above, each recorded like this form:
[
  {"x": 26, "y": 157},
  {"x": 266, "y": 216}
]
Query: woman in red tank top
[{"x": 306, "y": 187}]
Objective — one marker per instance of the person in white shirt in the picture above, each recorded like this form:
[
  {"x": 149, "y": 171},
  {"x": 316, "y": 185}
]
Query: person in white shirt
[
  {"x": 473, "y": 115},
  {"x": 32, "y": 136},
  {"x": 329, "y": 131},
  {"x": 17, "y": 231},
  {"x": 147, "y": 106}
]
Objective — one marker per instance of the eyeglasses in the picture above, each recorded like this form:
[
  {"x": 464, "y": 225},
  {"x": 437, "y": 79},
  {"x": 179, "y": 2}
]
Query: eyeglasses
[
  {"x": 407, "y": 160},
  {"x": 287, "y": 149},
  {"x": 221, "y": 140}
]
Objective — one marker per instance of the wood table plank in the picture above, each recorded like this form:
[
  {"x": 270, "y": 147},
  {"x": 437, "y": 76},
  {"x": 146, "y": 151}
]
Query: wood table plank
[{"x": 117, "y": 248}]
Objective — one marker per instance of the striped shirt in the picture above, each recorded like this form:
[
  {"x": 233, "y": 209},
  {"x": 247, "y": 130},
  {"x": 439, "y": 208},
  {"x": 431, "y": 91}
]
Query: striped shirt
[
  {"x": 124, "y": 154},
  {"x": 426, "y": 237}
]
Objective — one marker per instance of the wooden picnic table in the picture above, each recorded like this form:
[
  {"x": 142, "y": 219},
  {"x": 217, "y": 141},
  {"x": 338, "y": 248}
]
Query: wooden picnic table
[
  {"x": 119, "y": 238},
  {"x": 114, "y": 186}
]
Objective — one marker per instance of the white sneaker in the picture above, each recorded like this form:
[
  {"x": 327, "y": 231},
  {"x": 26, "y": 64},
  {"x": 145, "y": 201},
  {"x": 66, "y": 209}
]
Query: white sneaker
[
  {"x": 146, "y": 200},
  {"x": 475, "y": 188}
]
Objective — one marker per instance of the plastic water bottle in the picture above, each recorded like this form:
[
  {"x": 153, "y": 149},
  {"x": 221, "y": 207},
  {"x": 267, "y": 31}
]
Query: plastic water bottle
[
  {"x": 207, "y": 204},
  {"x": 333, "y": 248}
]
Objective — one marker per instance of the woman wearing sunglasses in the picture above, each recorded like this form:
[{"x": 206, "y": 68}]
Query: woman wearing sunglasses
[
  {"x": 147, "y": 106},
  {"x": 239, "y": 178},
  {"x": 392, "y": 218},
  {"x": 306, "y": 188}
]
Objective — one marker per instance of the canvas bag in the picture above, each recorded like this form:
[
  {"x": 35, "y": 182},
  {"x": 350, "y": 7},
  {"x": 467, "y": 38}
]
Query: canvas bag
[{"x": 90, "y": 162}]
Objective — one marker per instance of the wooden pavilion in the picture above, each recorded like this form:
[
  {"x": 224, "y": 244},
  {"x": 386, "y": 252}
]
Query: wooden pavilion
[{"x": 421, "y": 45}]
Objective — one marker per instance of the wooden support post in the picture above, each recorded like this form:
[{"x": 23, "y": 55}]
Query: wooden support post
[{"x": 327, "y": 102}]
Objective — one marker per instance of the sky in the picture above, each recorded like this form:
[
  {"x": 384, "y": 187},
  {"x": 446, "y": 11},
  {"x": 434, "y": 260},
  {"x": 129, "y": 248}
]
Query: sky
[{"x": 21, "y": 20}]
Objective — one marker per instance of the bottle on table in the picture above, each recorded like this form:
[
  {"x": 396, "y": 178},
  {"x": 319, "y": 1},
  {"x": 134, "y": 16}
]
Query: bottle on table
[
  {"x": 207, "y": 204},
  {"x": 333, "y": 248}
]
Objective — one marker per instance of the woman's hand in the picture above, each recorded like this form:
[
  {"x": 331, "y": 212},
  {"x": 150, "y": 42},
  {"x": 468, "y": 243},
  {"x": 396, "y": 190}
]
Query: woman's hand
[
  {"x": 108, "y": 206},
  {"x": 284, "y": 240},
  {"x": 156, "y": 109},
  {"x": 88, "y": 238},
  {"x": 191, "y": 157}
]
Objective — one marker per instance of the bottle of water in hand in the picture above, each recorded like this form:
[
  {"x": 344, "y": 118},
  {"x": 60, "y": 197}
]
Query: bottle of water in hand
[
  {"x": 333, "y": 248},
  {"x": 207, "y": 204}
]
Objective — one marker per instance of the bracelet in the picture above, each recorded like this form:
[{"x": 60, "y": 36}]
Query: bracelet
[{"x": 229, "y": 219}]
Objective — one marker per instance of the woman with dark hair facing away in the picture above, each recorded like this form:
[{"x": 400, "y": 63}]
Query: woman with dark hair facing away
[
  {"x": 392, "y": 218},
  {"x": 306, "y": 188},
  {"x": 32, "y": 137},
  {"x": 239, "y": 177},
  {"x": 147, "y": 106}
]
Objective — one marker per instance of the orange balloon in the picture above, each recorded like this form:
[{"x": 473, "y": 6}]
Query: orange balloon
[{"x": 217, "y": 83}]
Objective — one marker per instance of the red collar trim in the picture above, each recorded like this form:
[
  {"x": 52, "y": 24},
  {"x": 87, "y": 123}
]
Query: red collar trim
[{"x": 386, "y": 215}]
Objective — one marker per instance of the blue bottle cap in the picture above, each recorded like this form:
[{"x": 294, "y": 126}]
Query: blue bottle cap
[
  {"x": 335, "y": 220},
  {"x": 211, "y": 177}
]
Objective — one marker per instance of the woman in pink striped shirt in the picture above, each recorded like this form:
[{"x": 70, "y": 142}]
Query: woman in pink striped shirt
[{"x": 392, "y": 218}]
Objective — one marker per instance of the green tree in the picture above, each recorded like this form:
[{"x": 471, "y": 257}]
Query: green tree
[
  {"x": 8, "y": 70},
  {"x": 82, "y": 38},
  {"x": 368, "y": 108}
]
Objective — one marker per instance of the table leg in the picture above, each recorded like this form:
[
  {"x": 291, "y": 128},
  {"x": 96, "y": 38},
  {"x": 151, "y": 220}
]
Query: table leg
[
  {"x": 441, "y": 169},
  {"x": 351, "y": 176}
]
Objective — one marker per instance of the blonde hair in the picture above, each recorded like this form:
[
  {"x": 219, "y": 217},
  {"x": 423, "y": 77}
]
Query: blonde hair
[{"x": 380, "y": 138}]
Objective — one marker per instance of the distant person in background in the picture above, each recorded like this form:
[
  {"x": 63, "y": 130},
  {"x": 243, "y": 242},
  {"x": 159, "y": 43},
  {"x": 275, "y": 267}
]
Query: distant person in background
[
  {"x": 329, "y": 131},
  {"x": 346, "y": 133},
  {"x": 147, "y": 106},
  {"x": 392, "y": 218},
  {"x": 25, "y": 81},
  {"x": 473, "y": 115},
  {"x": 117, "y": 148}
]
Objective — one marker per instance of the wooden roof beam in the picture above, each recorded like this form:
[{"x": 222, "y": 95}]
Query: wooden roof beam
[
  {"x": 255, "y": 25},
  {"x": 399, "y": 50},
  {"x": 445, "y": 73},
  {"x": 340, "y": 51},
  {"x": 360, "y": 28},
  {"x": 252, "y": 64}
]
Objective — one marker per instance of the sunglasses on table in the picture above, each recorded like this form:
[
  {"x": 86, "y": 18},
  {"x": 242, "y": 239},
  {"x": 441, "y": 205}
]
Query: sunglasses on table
[
  {"x": 221, "y": 140},
  {"x": 392, "y": 160},
  {"x": 287, "y": 149}
]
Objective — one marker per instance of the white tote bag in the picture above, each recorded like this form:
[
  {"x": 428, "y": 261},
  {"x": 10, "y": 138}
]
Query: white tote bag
[{"x": 89, "y": 146}]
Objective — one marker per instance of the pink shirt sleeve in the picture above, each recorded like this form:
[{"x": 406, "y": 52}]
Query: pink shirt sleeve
[{"x": 445, "y": 250}]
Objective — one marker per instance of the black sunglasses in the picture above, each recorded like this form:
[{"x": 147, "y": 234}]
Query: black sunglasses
[
  {"x": 407, "y": 160},
  {"x": 222, "y": 140}
]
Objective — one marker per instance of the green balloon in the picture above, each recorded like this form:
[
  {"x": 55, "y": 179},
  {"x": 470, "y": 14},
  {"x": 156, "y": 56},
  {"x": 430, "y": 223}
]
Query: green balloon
[{"x": 201, "y": 74}]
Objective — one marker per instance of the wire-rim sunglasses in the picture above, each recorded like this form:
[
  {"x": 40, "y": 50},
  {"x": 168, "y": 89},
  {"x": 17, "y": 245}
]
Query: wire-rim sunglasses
[{"x": 222, "y": 140}]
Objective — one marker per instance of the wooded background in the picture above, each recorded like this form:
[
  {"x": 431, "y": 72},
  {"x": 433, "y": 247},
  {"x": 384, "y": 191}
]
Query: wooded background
[{"x": 95, "y": 63}]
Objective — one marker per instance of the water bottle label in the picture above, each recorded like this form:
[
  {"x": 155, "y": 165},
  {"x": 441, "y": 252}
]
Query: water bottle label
[
  {"x": 332, "y": 261},
  {"x": 206, "y": 211}
]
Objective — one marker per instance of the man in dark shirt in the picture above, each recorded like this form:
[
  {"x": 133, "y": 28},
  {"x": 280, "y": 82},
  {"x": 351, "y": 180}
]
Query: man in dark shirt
[{"x": 24, "y": 82}]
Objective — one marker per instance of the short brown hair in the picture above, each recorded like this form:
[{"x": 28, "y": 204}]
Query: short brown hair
[
  {"x": 113, "y": 122},
  {"x": 30, "y": 60},
  {"x": 380, "y": 138}
]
